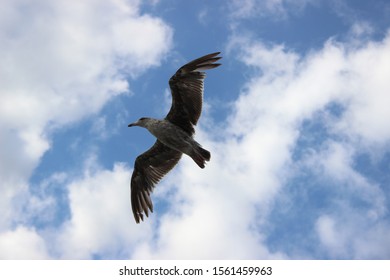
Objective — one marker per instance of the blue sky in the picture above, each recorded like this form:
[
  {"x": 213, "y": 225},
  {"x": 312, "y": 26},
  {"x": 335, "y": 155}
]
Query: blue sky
[{"x": 296, "y": 120}]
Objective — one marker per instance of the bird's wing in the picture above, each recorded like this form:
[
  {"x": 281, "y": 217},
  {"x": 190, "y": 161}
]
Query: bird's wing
[
  {"x": 187, "y": 92},
  {"x": 149, "y": 168}
]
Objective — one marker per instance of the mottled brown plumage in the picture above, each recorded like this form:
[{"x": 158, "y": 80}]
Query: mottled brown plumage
[
  {"x": 174, "y": 134},
  {"x": 187, "y": 92}
]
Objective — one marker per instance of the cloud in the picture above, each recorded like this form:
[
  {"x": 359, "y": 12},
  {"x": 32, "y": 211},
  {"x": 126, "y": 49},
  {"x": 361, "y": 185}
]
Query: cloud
[
  {"x": 335, "y": 90},
  {"x": 329, "y": 235},
  {"x": 346, "y": 235},
  {"x": 366, "y": 115},
  {"x": 354, "y": 224},
  {"x": 279, "y": 8},
  {"x": 203, "y": 15},
  {"x": 62, "y": 62},
  {"x": 22, "y": 243},
  {"x": 101, "y": 221}
]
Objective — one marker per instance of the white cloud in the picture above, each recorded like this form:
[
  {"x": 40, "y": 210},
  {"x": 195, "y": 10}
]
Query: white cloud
[
  {"x": 62, "y": 61},
  {"x": 369, "y": 92},
  {"x": 101, "y": 220},
  {"x": 330, "y": 236},
  {"x": 22, "y": 243},
  {"x": 348, "y": 234},
  {"x": 355, "y": 78},
  {"x": 361, "y": 29},
  {"x": 335, "y": 162},
  {"x": 347, "y": 230}
]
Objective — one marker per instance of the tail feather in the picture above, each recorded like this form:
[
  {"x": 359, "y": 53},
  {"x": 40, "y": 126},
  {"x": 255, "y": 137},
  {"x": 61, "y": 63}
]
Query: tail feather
[
  {"x": 205, "y": 154},
  {"x": 200, "y": 156}
]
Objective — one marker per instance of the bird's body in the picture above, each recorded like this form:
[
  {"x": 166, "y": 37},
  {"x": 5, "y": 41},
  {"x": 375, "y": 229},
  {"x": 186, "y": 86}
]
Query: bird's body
[
  {"x": 174, "y": 134},
  {"x": 175, "y": 138}
]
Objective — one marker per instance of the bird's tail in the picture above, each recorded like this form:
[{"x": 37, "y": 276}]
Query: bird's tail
[{"x": 200, "y": 156}]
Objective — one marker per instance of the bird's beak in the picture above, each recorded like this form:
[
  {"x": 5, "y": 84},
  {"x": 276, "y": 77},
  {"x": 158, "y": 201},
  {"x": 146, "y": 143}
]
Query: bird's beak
[{"x": 134, "y": 124}]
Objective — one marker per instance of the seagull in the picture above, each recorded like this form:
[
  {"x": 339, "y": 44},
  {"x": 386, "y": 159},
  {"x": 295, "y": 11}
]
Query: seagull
[{"x": 174, "y": 134}]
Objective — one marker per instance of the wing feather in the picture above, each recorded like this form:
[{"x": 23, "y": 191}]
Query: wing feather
[
  {"x": 149, "y": 168},
  {"x": 187, "y": 92}
]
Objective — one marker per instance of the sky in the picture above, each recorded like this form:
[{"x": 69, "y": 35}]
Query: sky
[{"x": 296, "y": 120}]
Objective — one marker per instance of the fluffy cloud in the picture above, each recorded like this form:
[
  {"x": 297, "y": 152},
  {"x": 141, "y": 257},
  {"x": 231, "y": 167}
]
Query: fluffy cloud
[
  {"x": 22, "y": 243},
  {"x": 347, "y": 234},
  {"x": 62, "y": 61},
  {"x": 342, "y": 87},
  {"x": 97, "y": 202}
]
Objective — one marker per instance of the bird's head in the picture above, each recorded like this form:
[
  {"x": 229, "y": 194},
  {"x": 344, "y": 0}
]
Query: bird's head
[{"x": 141, "y": 122}]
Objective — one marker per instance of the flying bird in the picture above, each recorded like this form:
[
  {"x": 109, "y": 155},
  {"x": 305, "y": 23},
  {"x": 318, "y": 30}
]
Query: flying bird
[{"x": 174, "y": 133}]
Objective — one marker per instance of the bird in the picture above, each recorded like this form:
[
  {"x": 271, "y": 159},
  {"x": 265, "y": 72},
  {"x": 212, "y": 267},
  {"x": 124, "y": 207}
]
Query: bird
[{"x": 174, "y": 133}]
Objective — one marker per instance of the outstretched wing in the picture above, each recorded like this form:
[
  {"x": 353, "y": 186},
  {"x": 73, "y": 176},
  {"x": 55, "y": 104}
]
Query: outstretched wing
[
  {"x": 149, "y": 168},
  {"x": 187, "y": 92}
]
